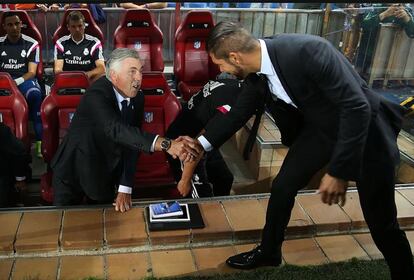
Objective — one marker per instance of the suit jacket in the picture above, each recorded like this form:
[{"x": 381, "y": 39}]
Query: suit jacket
[
  {"x": 90, "y": 155},
  {"x": 330, "y": 96},
  {"x": 14, "y": 157}
]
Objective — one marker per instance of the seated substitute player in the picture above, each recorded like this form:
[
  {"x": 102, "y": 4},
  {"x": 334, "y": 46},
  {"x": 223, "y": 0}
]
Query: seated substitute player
[
  {"x": 208, "y": 175},
  {"x": 19, "y": 56},
  {"x": 79, "y": 51}
]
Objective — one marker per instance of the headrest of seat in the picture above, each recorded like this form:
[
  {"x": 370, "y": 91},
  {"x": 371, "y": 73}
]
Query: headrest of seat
[
  {"x": 138, "y": 18},
  {"x": 28, "y": 27},
  {"x": 70, "y": 83},
  {"x": 7, "y": 85},
  {"x": 196, "y": 23}
]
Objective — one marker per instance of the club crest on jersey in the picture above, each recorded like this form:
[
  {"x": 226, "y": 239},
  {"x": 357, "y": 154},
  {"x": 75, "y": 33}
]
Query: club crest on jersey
[
  {"x": 23, "y": 53},
  {"x": 138, "y": 45},
  {"x": 148, "y": 117},
  {"x": 197, "y": 44},
  {"x": 85, "y": 51}
]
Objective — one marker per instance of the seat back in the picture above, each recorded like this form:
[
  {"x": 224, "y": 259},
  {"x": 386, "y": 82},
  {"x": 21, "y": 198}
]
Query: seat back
[
  {"x": 161, "y": 109},
  {"x": 58, "y": 108},
  {"x": 91, "y": 28},
  {"x": 138, "y": 30},
  {"x": 14, "y": 110},
  {"x": 192, "y": 64},
  {"x": 29, "y": 29}
]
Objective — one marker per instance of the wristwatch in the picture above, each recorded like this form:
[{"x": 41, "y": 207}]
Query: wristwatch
[{"x": 165, "y": 144}]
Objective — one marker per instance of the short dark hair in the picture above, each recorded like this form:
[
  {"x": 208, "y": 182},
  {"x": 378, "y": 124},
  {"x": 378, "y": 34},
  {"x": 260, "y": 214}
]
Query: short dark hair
[
  {"x": 228, "y": 37},
  {"x": 75, "y": 16},
  {"x": 9, "y": 14}
]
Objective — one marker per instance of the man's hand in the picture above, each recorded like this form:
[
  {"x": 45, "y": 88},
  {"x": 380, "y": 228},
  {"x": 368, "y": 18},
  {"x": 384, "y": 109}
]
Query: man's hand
[
  {"x": 401, "y": 13},
  {"x": 122, "y": 202},
  {"x": 184, "y": 187},
  {"x": 333, "y": 190},
  {"x": 185, "y": 148}
]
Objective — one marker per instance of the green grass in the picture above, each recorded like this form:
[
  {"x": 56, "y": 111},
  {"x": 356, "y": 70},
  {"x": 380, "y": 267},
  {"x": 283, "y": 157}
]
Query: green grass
[{"x": 354, "y": 269}]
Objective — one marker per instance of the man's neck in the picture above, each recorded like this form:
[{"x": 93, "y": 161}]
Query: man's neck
[
  {"x": 256, "y": 58},
  {"x": 78, "y": 40},
  {"x": 13, "y": 39}
]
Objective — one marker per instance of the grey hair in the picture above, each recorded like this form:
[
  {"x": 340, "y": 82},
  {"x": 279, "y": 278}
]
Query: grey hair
[{"x": 117, "y": 56}]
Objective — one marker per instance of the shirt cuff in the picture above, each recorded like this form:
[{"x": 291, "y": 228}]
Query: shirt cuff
[
  {"x": 204, "y": 142},
  {"x": 153, "y": 144},
  {"x": 20, "y": 178},
  {"x": 124, "y": 189}
]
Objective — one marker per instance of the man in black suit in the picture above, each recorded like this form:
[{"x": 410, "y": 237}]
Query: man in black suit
[
  {"x": 328, "y": 117},
  {"x": 13, "y": 166},
  {"x": 101, "y": 147}
]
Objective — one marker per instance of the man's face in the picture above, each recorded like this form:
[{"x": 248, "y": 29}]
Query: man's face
[
  {"x": 76, "y": 29},
  {"x": 127, "y": 79},
  {"x": 13, "y": 26},
  {"x": 226, "y": 65}
]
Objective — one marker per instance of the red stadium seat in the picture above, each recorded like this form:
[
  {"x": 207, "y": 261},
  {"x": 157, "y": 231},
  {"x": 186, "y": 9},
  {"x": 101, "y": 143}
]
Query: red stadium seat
[
  {"x": 192, "y": 65},
  {"x": 57, "y": 111},
  {"x": 14, "y": 111},
  {"x": 138, "y": 30},
  {"x": 91, "y": 28},
  {"x": 161, "y": 109},
  {"x": 29, "y": 29}
]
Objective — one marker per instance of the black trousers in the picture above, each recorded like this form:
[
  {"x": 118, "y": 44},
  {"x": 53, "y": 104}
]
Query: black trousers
[
  {"x": 311, "y": 152},
  {"x": 70, "y": 193}
]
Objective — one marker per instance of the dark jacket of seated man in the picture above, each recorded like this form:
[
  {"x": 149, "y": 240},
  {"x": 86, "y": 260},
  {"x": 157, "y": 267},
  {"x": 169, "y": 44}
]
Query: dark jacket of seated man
[
  {"x": 212, "y": 175},
  {"x": 13, "y": 166}
]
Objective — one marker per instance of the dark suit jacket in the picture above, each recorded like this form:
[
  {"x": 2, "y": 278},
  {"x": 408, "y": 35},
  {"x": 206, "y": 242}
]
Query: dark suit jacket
[
  {"x": 91, "y": 152},
  {"x": 13, "y": 154},
  {"x": 330, "y": 96},
  {"x": 14, "y": 160}
]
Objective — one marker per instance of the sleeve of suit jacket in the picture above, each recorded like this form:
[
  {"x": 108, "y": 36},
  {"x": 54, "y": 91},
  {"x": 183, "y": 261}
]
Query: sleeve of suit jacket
[
  {"x": 338, "y": 81},
  {"x": 222, "y": 126},
  {"x": 104, "y": 114}
]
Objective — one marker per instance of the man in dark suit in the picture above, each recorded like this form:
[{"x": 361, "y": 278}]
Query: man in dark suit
[
  {"x": 328, "y": 117},
  {"x": 101, "y": 147},
  {"x": 13, "y": 166}
]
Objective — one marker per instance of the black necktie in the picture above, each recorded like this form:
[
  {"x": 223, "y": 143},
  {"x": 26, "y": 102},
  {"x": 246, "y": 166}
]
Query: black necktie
[
  {"x": 124, "y": 111},
  {"x": 265, "y": 97}
]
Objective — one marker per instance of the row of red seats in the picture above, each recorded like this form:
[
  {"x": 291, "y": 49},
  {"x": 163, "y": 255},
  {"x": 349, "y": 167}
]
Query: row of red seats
[
  {"x": 161, "y": 109},
  {"x": 138, "y": 30}
]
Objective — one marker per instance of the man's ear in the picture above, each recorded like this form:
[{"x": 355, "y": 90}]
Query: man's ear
[
  {"x": 113, "y": 76},
  {"x": 234, "y": 57}
]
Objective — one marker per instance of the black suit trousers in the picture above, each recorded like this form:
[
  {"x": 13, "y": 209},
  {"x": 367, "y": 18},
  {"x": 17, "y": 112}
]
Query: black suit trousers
[{"x": 309, "y": 153}]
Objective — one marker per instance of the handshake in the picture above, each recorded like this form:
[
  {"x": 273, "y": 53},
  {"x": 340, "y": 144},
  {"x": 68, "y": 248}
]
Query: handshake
[{"x": 185, "y": 148}]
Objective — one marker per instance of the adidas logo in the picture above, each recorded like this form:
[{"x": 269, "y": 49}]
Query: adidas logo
[
  {"x": 3, "y": 53},
  {"x": 68, "y": 52}
]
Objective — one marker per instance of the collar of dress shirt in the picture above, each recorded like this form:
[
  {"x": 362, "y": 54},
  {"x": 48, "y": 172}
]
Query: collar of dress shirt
[
  {"x": 120, "y": 98},
  {"x": 266, "y": 66}
]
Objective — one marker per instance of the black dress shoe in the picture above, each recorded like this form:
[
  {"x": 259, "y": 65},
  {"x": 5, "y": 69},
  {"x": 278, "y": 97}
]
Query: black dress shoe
[{"x": 252, "y": 259}]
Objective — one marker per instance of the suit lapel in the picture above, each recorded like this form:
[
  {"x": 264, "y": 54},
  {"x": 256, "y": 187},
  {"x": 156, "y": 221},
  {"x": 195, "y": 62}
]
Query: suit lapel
[{"x": 271, "y": 49}]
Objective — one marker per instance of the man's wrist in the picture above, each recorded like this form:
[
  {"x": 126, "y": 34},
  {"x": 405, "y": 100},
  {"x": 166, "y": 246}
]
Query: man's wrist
[
  {"x": 165, "y": 144},
  {"x": 124, "y": 189},
  {"x": 19, "y": 81}
]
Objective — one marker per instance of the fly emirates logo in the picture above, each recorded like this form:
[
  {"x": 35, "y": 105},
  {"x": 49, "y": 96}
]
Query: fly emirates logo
[{"x": 12, "y": 64}]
